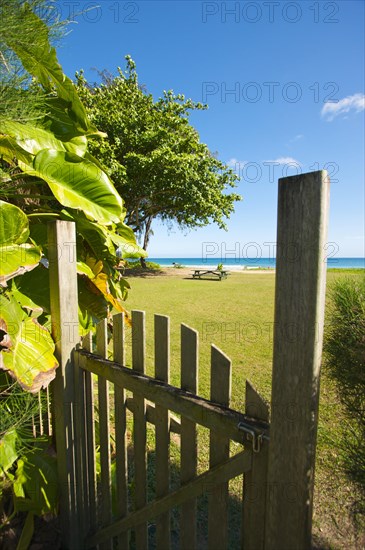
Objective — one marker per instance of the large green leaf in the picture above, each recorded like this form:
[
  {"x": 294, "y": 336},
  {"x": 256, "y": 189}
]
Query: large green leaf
[
  {"x": 125, "y": 239},
  {"x": 96, "y": 236},
  {"x": 17, "y": 259},
  {"x": 31, "y": 290},
  {"x": 36, "y": 483},
  {"x": 31, "y": 138},
  {"x": 40, "y": 60},
  {"x": 27, "y": 347},
  {"x": 9, "y": 149},
  {"x": 14, "y": 227},
  {"x": 59, "y": 122},
  {"x": 92, "y": 304},
  {"x": 8, "y": 450},
  {"x": 80, "y": 184}
]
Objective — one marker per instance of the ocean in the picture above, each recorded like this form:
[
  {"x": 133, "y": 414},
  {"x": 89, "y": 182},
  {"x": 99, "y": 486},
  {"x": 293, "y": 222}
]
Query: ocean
[{"x": 251, "y": 263}]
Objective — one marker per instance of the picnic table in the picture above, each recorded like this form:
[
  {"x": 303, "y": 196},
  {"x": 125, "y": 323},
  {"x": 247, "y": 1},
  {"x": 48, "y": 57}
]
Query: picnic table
[{"x": 209, "y": 274}]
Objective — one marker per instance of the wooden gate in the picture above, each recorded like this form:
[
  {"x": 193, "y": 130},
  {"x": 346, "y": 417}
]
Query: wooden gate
[
  {"x": 153, "y": 400},
  {"x": 91, "y": 432}
]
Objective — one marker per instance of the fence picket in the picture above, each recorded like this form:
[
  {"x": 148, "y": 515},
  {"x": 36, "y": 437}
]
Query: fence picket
[
  {"x": 255, "y": 480},
  {"x": 139, "y": 431},
  {"x": 89, "y": 445},
  {"x": 40, "y": 413},
  {"x": 48, "y": 412},
  {"x": 80, "y": 449},
  {"x": 162, "y": 372},
  {"x": 120, "y": 430},
  {"x": 189, "y": 382},
  {"x": 220, "y": 392},
  {"x": 104, "y": 431}
]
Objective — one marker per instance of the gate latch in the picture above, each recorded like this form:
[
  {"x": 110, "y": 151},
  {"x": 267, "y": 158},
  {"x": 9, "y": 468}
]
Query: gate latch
[{"x": 253, "y": 436}]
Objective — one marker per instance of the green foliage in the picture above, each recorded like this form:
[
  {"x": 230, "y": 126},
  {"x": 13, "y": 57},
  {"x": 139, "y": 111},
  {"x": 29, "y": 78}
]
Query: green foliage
[
  {"x": 8, "y": 450},
  {"x": 36, "y": 483},
  {"x": 50, "y": 175},
  {"x": 345, "y": 361},
  {"x": 154, "y": 156},
  {"x": 38, "y": 58},
  {"x": 46, "y": 173},
  {"x": 16, "y": 255},
  {"x": 137, "y": 266},
  {"x": 28, "y": 349}
]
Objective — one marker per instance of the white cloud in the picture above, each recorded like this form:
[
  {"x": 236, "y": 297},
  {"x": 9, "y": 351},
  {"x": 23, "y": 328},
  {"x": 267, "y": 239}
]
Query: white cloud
[
  {"x": 354, "y": 102},
  {"x": 285, "y": 161},
  {"x": 296, "y": 138},
  {"x": 235, "y": 163}
]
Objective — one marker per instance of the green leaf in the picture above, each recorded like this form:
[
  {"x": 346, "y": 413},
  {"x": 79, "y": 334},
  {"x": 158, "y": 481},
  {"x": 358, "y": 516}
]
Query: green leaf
[
  {"x": 78, "y": 183},
  {"x": 59, "y": 122},
  {"x": 125, "y": 239},
  {"x": 96, "y": 236},
  {"x": 14, "y": 227},
  {"x": 27, "y": 532},
  {"x": 28, "y": 349},
  {"x": 32, "y": 291},
  {"x": 36, "y": 483},
  {"x": 17, "y": 259},
  {"x": 31, "y": 138},
  {"x": 84, "y": 269},
  {"x": 8, "y": 450},
  {"x": 40, "y": 60},
  {"x": 9, "y": 149},
  {"x": 91, "y": 301},
  {"x": 77, "y": 145}
]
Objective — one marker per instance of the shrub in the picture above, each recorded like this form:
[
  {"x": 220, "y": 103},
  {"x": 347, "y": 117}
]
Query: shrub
[
  {"x": 345, "y": 361},
  {"x": 130, "y": 264}
]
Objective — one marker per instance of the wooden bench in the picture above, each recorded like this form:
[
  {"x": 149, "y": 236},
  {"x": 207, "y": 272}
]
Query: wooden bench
[{"x": 209, "y": 274}]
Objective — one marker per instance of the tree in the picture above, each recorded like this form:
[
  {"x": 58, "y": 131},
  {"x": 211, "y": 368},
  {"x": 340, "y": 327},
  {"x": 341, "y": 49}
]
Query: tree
[{"x": 154, "y": 156}]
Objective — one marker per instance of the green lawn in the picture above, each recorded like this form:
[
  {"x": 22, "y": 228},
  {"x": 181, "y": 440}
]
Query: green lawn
[{"x": 237, "y": 316}]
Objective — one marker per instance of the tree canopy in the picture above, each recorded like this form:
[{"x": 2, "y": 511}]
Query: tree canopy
[{"x": 154, "y": 155}]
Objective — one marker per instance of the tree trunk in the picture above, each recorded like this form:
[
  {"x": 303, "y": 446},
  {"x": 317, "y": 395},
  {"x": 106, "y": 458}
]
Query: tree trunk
[{"x": 147, "y": 233}]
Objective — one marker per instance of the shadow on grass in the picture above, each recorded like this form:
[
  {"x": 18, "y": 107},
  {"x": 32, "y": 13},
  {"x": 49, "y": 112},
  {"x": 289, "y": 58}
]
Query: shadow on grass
[
  {"x": 141, "y": 272},
  {"x": 234, "y": 513},
  {"x": 204, "y": 279},
  {"x": 234, "y": 510}
]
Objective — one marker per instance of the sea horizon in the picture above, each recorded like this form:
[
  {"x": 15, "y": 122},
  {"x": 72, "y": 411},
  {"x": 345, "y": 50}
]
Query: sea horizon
[{"x": 249, "y": 263}]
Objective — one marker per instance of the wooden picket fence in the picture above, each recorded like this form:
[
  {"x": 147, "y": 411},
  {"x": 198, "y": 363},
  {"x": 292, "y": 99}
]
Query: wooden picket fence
[
  {"x": 91, "y": 432},
  {"x": 155, "y": 401}
]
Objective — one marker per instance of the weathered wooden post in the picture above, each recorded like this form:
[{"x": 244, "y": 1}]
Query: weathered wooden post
[
  {"x": 299, "y": 316},
  {"x": 64, "y": 314}
]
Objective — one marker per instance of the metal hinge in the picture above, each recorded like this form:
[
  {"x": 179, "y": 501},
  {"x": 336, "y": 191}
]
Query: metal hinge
[{"x": 252, "y": 435}]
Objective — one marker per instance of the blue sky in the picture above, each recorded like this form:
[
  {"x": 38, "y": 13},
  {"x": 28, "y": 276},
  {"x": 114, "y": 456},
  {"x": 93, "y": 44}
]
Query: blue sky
[{"x": 284, "y": 82}]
